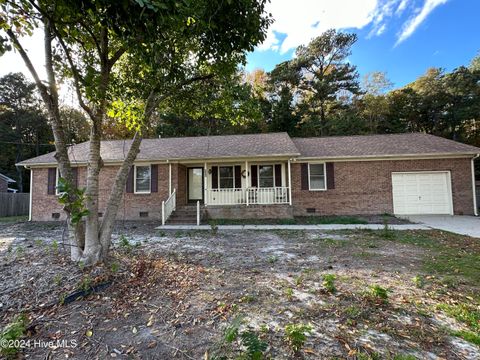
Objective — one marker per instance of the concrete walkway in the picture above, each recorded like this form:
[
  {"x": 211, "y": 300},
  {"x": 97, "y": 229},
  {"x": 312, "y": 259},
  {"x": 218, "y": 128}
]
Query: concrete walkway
[
  {"x": 463, "y": 225},
  {"x": 296, "y": 227}
]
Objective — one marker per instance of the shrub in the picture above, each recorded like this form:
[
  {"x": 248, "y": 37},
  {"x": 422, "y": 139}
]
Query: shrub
[
  {"x": 378, "y": 292},
  {"x": 13, "y": 331},
  {"x": 329, "y": 283},
  {"x": 296, "y": 335}
]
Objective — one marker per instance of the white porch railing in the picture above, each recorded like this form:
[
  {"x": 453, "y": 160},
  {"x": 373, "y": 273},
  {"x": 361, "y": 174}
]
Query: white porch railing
[
  {"x": 169, "y": 206},
  {"x": 248, "y": 196}
]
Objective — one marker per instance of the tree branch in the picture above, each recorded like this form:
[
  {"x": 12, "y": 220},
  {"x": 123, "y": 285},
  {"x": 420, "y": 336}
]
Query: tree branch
[{"x": 28, "y": 63}]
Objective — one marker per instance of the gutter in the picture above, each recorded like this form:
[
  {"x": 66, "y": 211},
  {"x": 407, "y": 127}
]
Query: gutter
[{"x": 474, "y": 190}]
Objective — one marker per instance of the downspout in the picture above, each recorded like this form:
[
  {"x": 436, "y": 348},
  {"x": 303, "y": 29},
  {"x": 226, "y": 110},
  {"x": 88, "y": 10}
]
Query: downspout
[
  {"x": 475, "y": 207},
  {"x": 31, "y": 196}
]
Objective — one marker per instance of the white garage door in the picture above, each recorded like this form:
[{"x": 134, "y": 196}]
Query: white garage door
[{"x": 421, "y": 193}]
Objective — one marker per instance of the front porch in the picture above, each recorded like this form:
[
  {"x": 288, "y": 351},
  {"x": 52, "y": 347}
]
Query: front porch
[
  {"x": 230, "y": 189},
  {"x": 246, "y": 183}
]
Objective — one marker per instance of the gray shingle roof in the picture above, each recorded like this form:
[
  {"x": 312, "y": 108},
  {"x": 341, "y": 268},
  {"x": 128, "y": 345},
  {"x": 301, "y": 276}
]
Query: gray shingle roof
[
  {"x": 268, "y": 145},
  {"x": 380, "y": 145},
  {"x": 202, "y": 147}
]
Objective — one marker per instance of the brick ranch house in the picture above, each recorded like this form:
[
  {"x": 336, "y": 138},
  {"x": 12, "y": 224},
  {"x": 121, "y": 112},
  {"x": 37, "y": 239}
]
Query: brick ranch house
[{"x": 273, "y": 176}]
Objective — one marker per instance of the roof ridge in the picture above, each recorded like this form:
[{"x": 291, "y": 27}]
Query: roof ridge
[{"x": 364, "y": 135}]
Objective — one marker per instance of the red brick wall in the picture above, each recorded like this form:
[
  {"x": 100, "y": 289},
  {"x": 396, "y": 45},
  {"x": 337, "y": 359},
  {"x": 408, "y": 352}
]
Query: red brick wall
[
  {"x": 365, "y": 187},
  {"x": 362, "y": 187},
  {"x": 131, "y": 205}
]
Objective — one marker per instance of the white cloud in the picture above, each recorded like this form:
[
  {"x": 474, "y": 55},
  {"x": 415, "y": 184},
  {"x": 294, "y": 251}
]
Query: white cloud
[
  {"x": 296, "y": 23},
  {"x": 401, "y": 7},
  {"x": 302, "y": 20},
  {"x": 413, "y": 23}
]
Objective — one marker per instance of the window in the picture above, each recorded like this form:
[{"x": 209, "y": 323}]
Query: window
[
  {"x": 265, "y": 176},
  {"x": 225, "y": 179},
  {"x": 316, "y": 177},
  {"x": 142, "y": 179},
  {"x": 57, "y": 177}
]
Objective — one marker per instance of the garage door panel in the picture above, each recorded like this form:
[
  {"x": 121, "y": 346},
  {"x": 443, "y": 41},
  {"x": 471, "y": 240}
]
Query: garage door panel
[{"x": 421, "y": 193}]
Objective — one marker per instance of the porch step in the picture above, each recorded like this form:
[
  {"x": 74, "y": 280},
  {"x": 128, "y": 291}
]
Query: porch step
[{"x": 185, "y": 215}]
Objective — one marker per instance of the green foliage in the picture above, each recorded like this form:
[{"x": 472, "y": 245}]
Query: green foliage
[
  {"x": 55, "y": 246},
  {"x": 231, "y": 333},
  {"x": 467, "y": 314},
  {"x": 114, "y": 267},
  {"x": 213, "y": 227},
  {"x": 289, "y": 293},
  {"x": 378, "y": 292},
  {"x": 469, "y": 336},
  {"x": 72, "y": 199},
  {"x": 272, "y": 259},
  {"x": 13, "y": 331},
  {"x": 329, "y": 283},
  {"x": 419, "y": 281},
  {"x": 296, "y": 335},
  {"x": 254, "y": 347},
  {"x": 86, "y": 283}
]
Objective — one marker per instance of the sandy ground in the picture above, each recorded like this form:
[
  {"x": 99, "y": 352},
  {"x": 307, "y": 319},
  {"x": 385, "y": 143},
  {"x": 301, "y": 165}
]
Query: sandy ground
[{"x": 174, "y": 294}]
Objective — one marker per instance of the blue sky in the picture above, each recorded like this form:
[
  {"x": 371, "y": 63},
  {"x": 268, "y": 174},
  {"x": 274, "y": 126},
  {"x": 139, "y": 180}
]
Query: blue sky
[{"x": 400, "y": 37}]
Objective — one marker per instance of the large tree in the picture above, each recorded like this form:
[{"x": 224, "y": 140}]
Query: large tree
[
  {"x": 24, "y": 129},
  {"x": 325, "y": 75},
  {"x": 129, "y": 55}
]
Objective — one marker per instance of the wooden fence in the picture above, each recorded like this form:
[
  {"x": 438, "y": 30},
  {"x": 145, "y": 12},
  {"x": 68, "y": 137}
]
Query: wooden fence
[{"x": 12, "y": 204}]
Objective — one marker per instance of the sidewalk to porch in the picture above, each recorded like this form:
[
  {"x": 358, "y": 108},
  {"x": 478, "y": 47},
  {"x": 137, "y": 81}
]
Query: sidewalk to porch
[{"x": 297, "y": 227}]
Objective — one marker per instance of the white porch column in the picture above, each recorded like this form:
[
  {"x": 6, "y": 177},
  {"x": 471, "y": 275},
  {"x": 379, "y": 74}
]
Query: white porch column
[
  {"x": 169, "y": 179},
  {"x": 289, "y": 184},
  {"x": 205, "y": 182},
  {"x": 247, "y": 179},
  {"x": 31, "y": 194}
]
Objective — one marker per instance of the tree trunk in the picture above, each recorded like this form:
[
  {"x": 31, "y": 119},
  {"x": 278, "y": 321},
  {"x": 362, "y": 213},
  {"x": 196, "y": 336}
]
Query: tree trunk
[
  {"x": 116, "y": 195},
  {"x": 93, "y": 249}
]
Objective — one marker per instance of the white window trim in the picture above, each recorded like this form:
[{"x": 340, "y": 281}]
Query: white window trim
[
  {"x": 219, "y": 176},
  {"x": 57, "y": 176},
  {"x": 273, "y": 175},
  {"x": 324, "y": 174},
  {"x": 135, "y": 180}
]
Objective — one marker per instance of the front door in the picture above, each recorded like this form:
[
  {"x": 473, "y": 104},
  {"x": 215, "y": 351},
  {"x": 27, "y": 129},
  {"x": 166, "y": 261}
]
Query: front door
[{"x": 195, "y": 184}]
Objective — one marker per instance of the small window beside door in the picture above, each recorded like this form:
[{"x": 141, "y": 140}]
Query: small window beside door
[{"x": 142, "y": 177}]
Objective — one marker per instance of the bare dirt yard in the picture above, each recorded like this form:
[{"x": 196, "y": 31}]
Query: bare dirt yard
[{"x": 242, "y": 295}]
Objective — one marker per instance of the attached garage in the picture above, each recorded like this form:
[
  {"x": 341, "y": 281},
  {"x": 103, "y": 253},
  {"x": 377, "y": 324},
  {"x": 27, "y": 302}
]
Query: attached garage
[{"x": 418, "y": 193}]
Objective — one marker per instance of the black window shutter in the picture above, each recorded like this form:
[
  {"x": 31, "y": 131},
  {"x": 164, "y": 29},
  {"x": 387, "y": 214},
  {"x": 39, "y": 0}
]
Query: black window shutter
[
  {"x": 130, "y": 181},
  {"x": 75, "y": 176},
  {"x": 254, "y": 171},
  {"x": 52, "y": 181},
  {"x": 278, "y": 175},
  {"x": 330, "y": 175},
  {"x": 238, "y": 177},
  {"x": 304, "y": 175},
  {"x": 154, "y": 178},
  {"x": 214, "y": 177}
]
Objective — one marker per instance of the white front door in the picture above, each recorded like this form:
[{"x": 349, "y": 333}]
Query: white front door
[
  {"x": 416, "y": 193},
  {"x": 195, "y": 184}
]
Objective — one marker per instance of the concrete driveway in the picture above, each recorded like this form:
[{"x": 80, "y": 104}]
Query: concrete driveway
[{"x": 464, "y": 225}]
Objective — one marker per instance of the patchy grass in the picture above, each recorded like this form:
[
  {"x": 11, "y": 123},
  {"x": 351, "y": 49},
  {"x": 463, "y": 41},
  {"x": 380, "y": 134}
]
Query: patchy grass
[
  {"x": 249, "y": 294},
  {"x": 301, "y": 220},
  {"x": 13, "y": 219}
]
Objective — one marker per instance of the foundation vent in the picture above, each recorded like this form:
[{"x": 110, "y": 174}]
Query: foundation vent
[
  {"x": 311, "y": 210},
  {"x": 143, "y": 214},
  {"x": 55, "y": 216}
]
